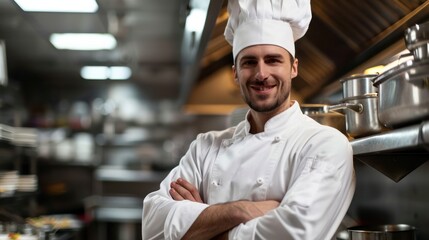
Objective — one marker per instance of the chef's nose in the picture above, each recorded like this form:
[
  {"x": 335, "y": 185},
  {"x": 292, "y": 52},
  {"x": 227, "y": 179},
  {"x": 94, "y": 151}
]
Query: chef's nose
[{"x": 261, "y": 72}]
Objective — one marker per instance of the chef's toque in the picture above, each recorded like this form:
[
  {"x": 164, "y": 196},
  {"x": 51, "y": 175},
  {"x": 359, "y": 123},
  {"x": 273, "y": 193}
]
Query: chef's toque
[{"x": 276, "y": 22}]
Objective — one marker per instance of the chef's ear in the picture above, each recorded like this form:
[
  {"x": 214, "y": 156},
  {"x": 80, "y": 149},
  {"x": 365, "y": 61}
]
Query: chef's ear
[
  {"x": 234, "y": 71},
  {"x": 294, "y": 68}
]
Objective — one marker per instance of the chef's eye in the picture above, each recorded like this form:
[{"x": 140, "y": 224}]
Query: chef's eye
[
  {"x": 272, "y": 60},
  {"x": 247, "y": 63}
]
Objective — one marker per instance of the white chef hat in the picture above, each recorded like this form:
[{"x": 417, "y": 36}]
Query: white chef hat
[{"x": 277, "y": 22}]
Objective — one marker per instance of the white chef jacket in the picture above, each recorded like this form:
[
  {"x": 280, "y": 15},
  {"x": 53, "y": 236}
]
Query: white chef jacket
[{"x": 306, "y": 166}]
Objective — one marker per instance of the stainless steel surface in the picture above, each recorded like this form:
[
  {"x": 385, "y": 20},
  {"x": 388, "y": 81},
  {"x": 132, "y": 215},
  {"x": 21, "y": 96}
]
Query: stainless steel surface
[
  {"x": 404, "y": 94},
  {"x": 364, "y": 123},
  {"x": 383, "y": 232},
  {"x": 395, "y": 153},
  {"x": 352, "y": 106},
  {"x": 361, "y": 115},
  {"x": 417, "y": 40},
  {"x": 393, "y": 140},
  {"x": 358, "y": 85}
]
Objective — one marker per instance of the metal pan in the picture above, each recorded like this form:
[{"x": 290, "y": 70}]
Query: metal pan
[
  {"x": 382, "y": 232},
  {"x": 404, "y": 94}
]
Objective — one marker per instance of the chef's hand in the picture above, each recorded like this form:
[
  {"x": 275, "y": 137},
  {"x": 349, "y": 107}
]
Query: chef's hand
[{"x": 183, "y": 190}]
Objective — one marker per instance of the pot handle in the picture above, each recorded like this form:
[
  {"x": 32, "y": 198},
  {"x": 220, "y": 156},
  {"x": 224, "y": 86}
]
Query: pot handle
[
  {"x": 419, "y": 79},
  {"x": 357, "y": 107}
]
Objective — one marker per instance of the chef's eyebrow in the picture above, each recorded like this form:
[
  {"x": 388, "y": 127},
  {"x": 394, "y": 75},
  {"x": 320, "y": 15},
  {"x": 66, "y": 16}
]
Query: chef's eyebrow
[
  {"x": 274, "y": 55},
  {"x": 268, "y": 56},
  {"x": 247, "y": 57}
]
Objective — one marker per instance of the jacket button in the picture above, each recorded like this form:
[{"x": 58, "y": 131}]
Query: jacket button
[
  {"x": 277, "y": 139},
  {"x": 260, "y": 181},
  {"x": 227, "y": 143}
]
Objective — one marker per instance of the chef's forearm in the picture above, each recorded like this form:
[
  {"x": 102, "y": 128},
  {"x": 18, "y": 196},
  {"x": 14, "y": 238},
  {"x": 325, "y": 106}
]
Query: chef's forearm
[
  {"x": 215, "y": 220},
  {"x": 220, "y": 218}
]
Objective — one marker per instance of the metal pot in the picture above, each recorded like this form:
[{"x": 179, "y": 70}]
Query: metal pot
[
  {"x": 361, "y": 115},
  {"x": 383, "y": 232},
  {"x": 358, "y": 85},
  {"x": 321, "y": 114},
  {"x": 403, "y": 93},
  {"x": 417, "y": 40}
]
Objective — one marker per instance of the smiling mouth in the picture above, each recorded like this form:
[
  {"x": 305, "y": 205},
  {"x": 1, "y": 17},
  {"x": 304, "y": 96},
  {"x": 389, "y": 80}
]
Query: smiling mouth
[{"x": 262, "y": 88}]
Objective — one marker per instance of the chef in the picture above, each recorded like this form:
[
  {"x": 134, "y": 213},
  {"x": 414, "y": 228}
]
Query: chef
[{"x": 278, "y": 174}]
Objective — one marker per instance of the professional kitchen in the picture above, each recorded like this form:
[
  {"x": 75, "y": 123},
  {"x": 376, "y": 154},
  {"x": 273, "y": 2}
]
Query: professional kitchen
[{"x": 89, "y": 126}]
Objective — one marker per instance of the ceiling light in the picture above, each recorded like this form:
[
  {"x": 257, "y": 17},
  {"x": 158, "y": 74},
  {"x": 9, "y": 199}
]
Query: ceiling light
[
  {"x": 103, "y": 73},
  {"x": 119, "y": 73},
  {"x": 94, "y": 72},
  {"x": 86, "y": 6},
  {"x": 83, "y": 41}
]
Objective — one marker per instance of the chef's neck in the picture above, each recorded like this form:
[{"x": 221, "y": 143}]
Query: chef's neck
[{"x": 258, "y": 120}]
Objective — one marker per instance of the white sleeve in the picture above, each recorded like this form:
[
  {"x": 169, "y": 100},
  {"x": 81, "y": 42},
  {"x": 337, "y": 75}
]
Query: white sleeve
[
  {"x": 165, "y": 218},
  {"x": 316, "y": 202}
]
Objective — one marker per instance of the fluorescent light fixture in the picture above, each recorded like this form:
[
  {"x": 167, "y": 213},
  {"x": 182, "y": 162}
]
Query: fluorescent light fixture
[
  {"x": 103, "y": 73},
  {"x": 84, "y": 6},
  {"x": 119, "y": 73},
  {"x": 83, "y": 41},
  {"x": 94, "y": 72}
]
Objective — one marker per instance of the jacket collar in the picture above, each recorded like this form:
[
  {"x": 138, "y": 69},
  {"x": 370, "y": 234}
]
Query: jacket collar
[{"x": 290, "y": 117}]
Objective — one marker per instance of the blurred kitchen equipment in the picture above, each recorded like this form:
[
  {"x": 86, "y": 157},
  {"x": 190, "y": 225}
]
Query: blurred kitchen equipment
[
  {"x": 8, "y": 182},
  {"x": 3, "y": 66},
  {"x": 404, "y": 93},
  {"x": 321, "y": 114},
  {"x": 417, "y": 40},
  {"x": 383, "y": 232}
]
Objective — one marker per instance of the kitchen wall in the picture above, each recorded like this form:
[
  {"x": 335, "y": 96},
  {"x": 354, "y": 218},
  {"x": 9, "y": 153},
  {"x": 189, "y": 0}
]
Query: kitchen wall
[{"x": 380, "y": 200}]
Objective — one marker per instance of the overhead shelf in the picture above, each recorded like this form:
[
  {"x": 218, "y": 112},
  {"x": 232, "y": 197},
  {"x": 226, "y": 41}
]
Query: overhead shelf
[
  {"x": 18, "y": 136},
  {"x": 395, "y": 153},
  {"x": 127, "y": 175}
]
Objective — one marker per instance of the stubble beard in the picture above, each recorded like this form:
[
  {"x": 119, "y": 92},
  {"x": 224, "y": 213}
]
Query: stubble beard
[{"x": 268, "y": 107}]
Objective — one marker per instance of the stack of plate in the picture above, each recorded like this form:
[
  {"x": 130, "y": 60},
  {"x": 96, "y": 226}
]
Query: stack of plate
[
  {"x": 8, "y": 182},
  {"x": 27, "y": 183}
]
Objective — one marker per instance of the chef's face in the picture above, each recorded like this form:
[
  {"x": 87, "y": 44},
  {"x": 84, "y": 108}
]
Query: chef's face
[{"x": 264, "y": 74}]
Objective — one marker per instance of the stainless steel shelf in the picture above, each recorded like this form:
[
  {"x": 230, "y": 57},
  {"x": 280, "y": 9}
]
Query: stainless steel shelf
[
  {"x": 18, "y": 136},
  {"x": 415, "y": 136},
  {"x": 395, "y": 153}
]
